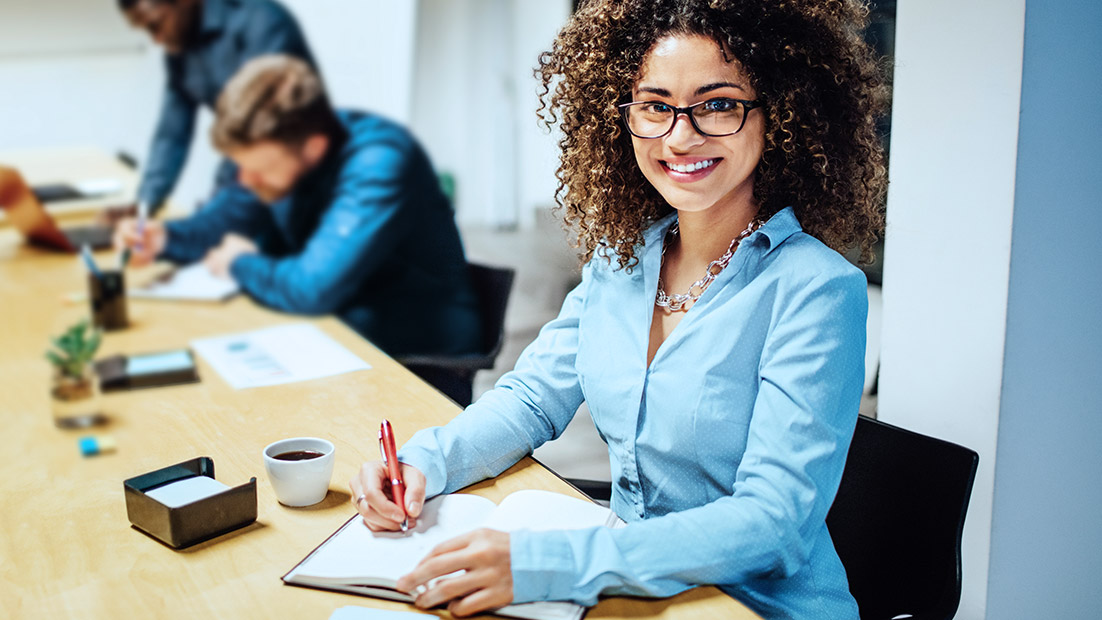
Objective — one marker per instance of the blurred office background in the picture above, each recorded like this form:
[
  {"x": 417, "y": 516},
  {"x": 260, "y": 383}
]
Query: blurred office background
[
  {"x": 985, "y": 330},
  {"x": 459, "y": 72}
]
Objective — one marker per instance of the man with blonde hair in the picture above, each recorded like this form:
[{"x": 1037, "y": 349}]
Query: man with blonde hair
[{"x": 332, "y": 212}]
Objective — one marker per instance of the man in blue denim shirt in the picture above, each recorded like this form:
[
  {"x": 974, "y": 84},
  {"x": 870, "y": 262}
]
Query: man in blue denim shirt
[
  {"x": 334, "y": 212},
  {"x": 206, "y": 42}
]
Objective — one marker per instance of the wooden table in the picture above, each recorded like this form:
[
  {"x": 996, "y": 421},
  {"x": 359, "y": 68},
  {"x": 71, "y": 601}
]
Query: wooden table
[
  {"x": 73, "y": 165},
  {"x": 66, "y": 546}
]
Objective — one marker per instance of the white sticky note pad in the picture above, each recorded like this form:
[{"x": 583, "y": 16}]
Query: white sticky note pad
[{"x": 186, "y": 491}]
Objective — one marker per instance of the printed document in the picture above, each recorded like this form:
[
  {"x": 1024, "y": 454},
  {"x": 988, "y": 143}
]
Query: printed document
[{"x": 277, "y": 355}]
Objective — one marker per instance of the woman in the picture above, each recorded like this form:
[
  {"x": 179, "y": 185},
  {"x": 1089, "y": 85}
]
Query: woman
[{"x": 717, "y": 156}]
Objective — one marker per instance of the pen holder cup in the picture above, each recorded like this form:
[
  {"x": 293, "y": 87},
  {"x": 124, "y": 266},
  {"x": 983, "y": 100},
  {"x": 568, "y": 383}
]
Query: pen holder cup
[{"x": 107, "y": 296}]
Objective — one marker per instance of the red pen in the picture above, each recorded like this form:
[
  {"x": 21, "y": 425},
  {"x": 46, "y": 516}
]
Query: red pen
[{"x": 393, "y": 468}]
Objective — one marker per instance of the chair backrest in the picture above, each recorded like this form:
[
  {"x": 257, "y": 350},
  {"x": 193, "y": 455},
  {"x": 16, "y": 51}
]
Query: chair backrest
[
  {"x": 492, "y": 286},
  {"x": 898, "y": 518}
]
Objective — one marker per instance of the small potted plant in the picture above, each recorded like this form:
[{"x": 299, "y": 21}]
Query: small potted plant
[{"x": 75, "y": 388}]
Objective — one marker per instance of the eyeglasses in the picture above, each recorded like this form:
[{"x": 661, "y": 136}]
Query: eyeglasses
[{"x": 714, "y": 118}]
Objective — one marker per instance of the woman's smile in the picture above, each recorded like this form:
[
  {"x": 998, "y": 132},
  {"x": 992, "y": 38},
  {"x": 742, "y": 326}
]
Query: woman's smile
[{"x": 689, "y": 169}]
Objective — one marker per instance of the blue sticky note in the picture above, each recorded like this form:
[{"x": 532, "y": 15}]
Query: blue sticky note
[{"x": 91, "y": 446}]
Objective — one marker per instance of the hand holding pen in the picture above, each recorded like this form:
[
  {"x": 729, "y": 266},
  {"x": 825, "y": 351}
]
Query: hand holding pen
[
  {"x": 389, "y": 453},
  {"x": 387, "y": 493},
  {"x": 144, "y": 242}
]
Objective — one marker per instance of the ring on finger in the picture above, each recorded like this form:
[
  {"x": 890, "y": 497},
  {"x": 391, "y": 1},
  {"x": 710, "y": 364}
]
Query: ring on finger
[{"x": 360, "y": 498}]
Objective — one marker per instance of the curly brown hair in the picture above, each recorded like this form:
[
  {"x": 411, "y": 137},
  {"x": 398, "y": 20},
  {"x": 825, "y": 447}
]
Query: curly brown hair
[{"x": 823, "y": 90}]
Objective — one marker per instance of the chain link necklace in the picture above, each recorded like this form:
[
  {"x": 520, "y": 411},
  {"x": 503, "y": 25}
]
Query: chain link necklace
[{"x": 678, "y": 301}]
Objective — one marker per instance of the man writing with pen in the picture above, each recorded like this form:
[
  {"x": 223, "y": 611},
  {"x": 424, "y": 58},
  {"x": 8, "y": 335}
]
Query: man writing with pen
[{"x": 332, "y": 213}]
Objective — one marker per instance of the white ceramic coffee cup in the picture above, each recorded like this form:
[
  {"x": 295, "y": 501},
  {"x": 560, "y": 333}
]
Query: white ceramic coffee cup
[{"x": 300, "y": 483}]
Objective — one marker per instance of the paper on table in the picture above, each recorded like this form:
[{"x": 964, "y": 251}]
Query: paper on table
[
  {"x": 194, "y": 282},
  {"x": 393, "y": 554},
  {"x": 277, "y": 355},
  {"x": 186, "y": 491},
  {"x": 351, "y": 612},
  {"x": 94, "y": 188}
]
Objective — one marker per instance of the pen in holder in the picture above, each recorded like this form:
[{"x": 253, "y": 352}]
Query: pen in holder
[{"x": 107, "y": 295}]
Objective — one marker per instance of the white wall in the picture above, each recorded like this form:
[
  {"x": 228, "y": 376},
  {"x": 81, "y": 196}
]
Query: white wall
[
  {"x": 74, "y": 74},
  {"x": 535, "y": 25},
  {"x": 64, "y": 26},
  {"x": 365, "y": 49},
  {"x": 478, "y": 57},
  {"x": 950, "y": 207}
]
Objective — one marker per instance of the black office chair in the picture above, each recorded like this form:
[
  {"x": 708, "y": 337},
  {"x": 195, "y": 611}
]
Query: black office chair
[
  {"x": 454, "y": 374},
  {"x": 897, "y": 521}
]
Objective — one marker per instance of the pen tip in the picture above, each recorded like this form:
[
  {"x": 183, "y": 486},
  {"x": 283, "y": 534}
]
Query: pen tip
[{"x": 405, "y": 525}]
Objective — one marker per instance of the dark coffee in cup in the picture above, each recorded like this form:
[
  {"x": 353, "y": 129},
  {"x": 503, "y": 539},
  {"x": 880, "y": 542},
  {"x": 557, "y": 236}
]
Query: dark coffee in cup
[
  {"x": 298, "y": 455},
  {"x": 299, "y": 469}
]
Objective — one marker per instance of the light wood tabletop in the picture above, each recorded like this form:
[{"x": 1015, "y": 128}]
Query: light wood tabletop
[{"x": 66, "y": 546}]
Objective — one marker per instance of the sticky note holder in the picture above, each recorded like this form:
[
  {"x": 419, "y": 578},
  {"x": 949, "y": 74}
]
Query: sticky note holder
[{"x": 203, "y": 519}]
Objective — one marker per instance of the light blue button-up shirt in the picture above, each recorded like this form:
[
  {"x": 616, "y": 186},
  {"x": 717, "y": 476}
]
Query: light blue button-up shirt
[{"x": 726, "y": 451}]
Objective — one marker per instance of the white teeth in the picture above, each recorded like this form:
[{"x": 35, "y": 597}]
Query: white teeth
[{"x": 691, "y": 167}]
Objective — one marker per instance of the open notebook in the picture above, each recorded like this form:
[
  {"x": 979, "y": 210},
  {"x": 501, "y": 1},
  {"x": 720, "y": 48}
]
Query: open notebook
[
  {"x": 360, "y": 561},
  {"x": 192, "y": 283}
]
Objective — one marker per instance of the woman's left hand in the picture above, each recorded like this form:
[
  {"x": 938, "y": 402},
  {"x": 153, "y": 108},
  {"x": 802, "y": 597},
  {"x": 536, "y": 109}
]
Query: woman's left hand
[{"x": 486, "y": 584}]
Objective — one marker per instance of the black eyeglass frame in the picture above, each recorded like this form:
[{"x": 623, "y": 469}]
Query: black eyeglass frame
[{"x": 746, "y": 104}]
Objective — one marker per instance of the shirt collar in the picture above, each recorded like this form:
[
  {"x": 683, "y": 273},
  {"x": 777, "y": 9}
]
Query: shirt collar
[
  {"x": 780, "y": 227},
  {"x": 652, "y": 236}
]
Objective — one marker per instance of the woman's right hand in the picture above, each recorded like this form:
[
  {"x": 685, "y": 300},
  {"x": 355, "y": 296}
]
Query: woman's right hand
[
  {"x": 145, "y": 247},
  {"x": 371, "y": 495}
]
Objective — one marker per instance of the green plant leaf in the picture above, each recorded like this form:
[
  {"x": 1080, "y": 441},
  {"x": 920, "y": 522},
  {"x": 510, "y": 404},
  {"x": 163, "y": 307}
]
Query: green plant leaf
[
  {"x": 74, "y": 348},
  {"x": 91, "y": 346}
]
